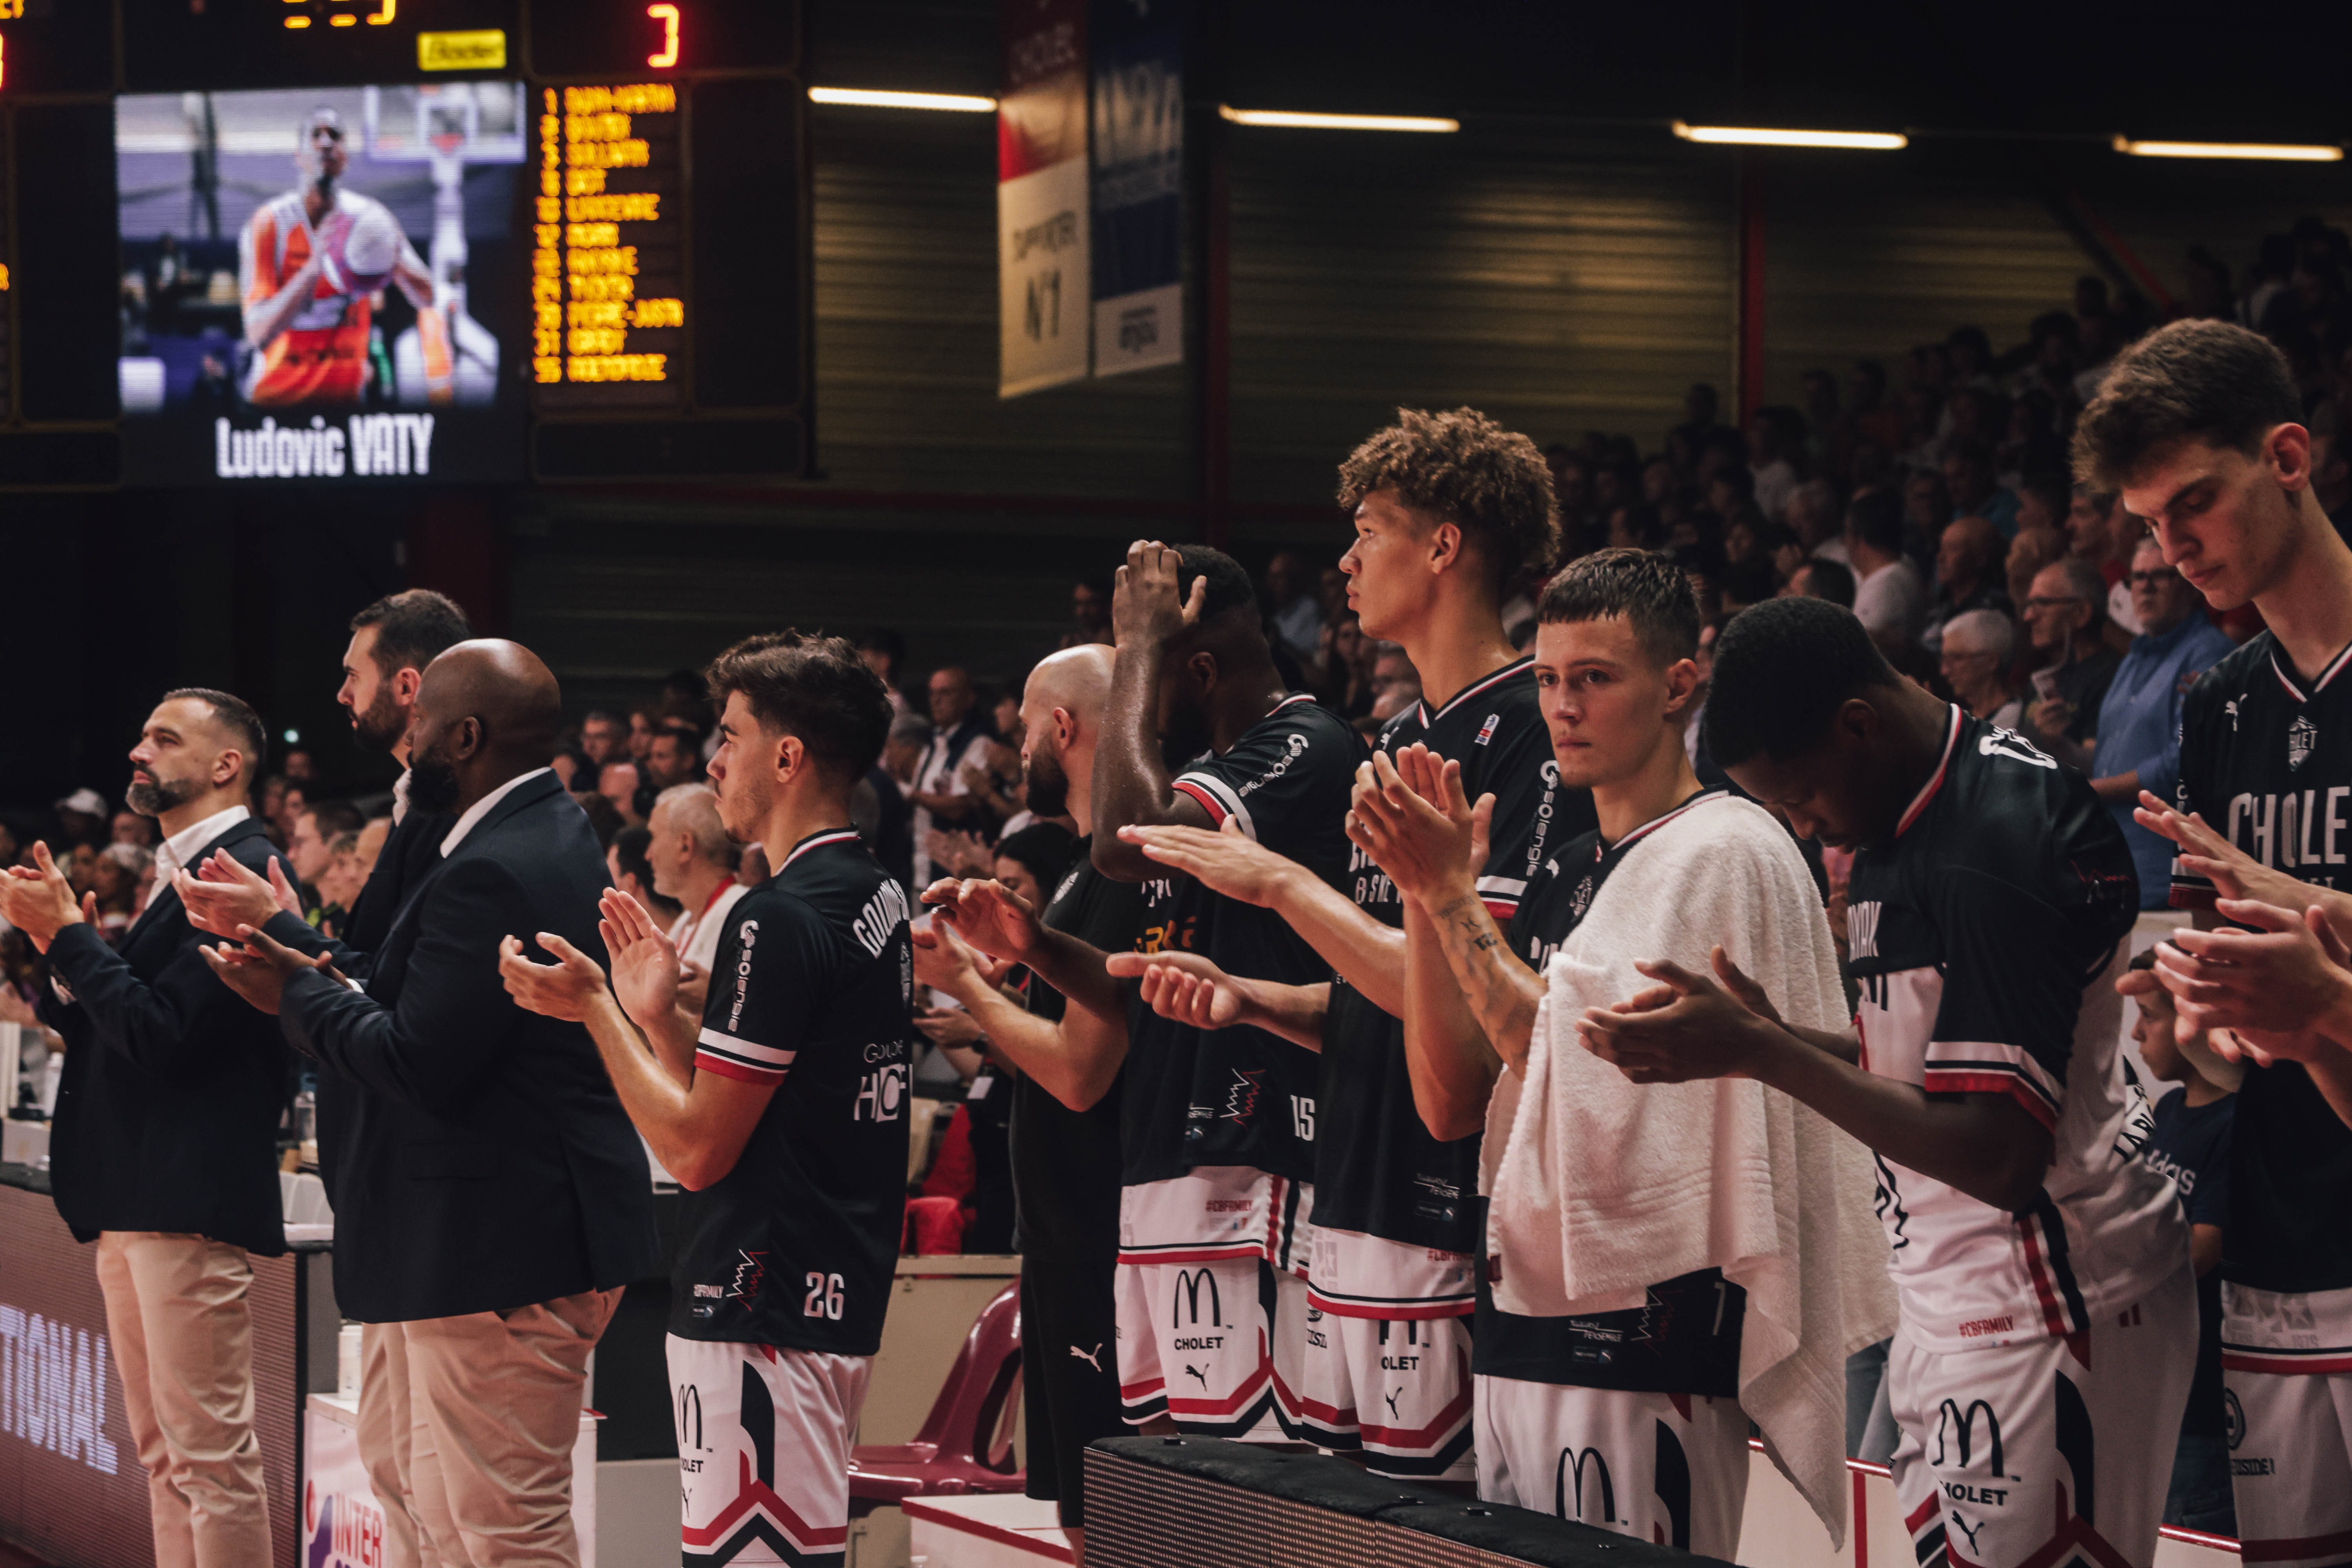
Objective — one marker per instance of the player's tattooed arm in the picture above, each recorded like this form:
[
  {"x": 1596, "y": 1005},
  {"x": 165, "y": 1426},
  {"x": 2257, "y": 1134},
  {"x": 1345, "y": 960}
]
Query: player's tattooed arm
[
  {"x": 1501, "y": 991},
  {"x": 1133, "y": 785},
  {"x": 1448, "y": 1057}
]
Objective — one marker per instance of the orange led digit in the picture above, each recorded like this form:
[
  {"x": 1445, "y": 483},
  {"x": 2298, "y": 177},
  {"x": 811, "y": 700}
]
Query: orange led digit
[
  {"x": 667, "y": 16},
  {"x": 383, "y": 16}
]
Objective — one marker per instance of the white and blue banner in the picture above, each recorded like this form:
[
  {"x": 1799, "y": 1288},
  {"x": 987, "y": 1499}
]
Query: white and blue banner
[{"x": 1138, "y": 157}]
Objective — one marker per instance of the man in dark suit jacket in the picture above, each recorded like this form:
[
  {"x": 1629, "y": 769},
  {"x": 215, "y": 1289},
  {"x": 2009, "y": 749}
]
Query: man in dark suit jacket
[
  {"x": 492, "y": 1198},
  {"x": 165, "y": 1146}
]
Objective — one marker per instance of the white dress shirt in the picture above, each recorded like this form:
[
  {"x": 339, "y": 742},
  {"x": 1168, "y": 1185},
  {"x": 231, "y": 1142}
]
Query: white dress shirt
[
  {"x": 482, "y": 809},
  {"x": 178, "y": 852},
  {"x": 695, "y": 934}
]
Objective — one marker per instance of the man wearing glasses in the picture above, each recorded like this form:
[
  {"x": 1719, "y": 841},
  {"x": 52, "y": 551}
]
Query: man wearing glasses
[
  {"x": 2137, "y": 745},
  {"x": 2065, "y": 615}
]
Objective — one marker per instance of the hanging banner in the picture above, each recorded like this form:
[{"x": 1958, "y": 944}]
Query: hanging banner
[
  {"x": 1138, "y": 50},
  {"x": 1042, "y": 274}
]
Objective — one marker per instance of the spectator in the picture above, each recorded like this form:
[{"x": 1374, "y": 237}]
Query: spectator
[
  {"x": 1813, "y": 517},
  {"x": 1889, "y": 597},
  {"x": 1980, "y": 648},
  {"x": 1969, "y": 479},
  {"x": 1822, "y": 578},
  {"x": 1777, "y": 437},
  {"x": 2190, "y": 1143},
  {"x": 603, "y": 819},
  {"x": 310, "y": 848},
  {"x": 641, "y": 734},
  {"x": 692, "y": 863},
  {"x": 1297, "y": 617},
  {"x": 1089, "y": 612},
  {"x": 1396, "y": 685},
  {"x": 619, "y": 782},
  {"x": 673, "y": 757},
  {"x": 1968, "y": 576},
  {"x": 81, "y": 817},
  {"x": 885, "y": 653},
  {"x": 371, "y": 839},
  {"x": 292, "y": 802},
  {"x": 129, "y": 827},
  {"x": 300, "y": 768},
  {"x": 339, "y": 883},
  {"x": 625, "y": 858},
  {"x": 2063, "y": 614},
  {"x": 1345, "y": 684},
  {"x": 2044, "y": 500},
  {"x": 959, "y": 738},
  {"x": 1926, "y": 506},
  {"x": 120, "y": 879},
  {"x": 603, "y": 738},
  {"x": 2138, "y": 742},
  {"x": 2099, "y": 532}
]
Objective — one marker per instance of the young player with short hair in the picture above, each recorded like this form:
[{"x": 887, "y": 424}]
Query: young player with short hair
[
  {"x": 2200, "y": 426},
  {"x": 1449, "y": 508},
  {"x": 2049, "y": 1311},
  {"x": 782, "y": 1108}
]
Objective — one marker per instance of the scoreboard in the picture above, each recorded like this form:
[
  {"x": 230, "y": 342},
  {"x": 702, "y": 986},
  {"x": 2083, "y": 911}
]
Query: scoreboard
[{"x": 335, "y": 242}]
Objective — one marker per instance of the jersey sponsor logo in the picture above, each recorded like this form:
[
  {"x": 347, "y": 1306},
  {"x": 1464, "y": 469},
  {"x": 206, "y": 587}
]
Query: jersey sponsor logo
[
  {"x": 1184, "y": 1300},
  {"x": 2233, "y": 1419},
  {"x": 879, "y": 920},
  {"x": 1960, "y": 1426},
  {"x": 2017, "y": 747},
  {"x": 1092, "y": 1358},
  {"x": 1063, "y": 891},
  {"x": 1298, "y": 744},
  {"x": 881, "y": 1095},
  {"x": 2301, "y": 737},
  {"x": 1862, "y": 928},
  {"x": 1241, "y": 1096},
  {"x": 1568, "y": 1470},
  {"x": 746, "y": 935},
  {"x": 1546, "y": 809},
  {"x": 2294, "y": 829}
]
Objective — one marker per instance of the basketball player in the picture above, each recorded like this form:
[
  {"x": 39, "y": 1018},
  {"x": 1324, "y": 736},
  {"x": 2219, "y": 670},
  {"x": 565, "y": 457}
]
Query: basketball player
[
  {"x": 781, "y": 1110},
  {"x": 2201, "y": 426},
  {"x": 2048, "y": 1328},
  {"x": 1449, "y": 508},
  {"x": 309, "y": 264}
]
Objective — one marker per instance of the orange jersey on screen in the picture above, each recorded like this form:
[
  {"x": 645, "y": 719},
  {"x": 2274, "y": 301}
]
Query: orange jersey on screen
[{"x": 322, "y": 354}]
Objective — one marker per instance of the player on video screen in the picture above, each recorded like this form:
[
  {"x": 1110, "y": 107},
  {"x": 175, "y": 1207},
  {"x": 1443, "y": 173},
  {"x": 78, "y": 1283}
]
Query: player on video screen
[{"x": 310, "y": 264}]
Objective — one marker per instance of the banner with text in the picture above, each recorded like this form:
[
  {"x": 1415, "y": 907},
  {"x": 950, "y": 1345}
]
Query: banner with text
[
  {"x": 1138, "y": 52},
  {"x": 1043, "y": 273}
]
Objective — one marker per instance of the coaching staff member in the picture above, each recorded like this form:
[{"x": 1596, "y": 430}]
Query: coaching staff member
[
  {"x": 494, "y": 1199},
  {"x": 165, "y": 1149}
]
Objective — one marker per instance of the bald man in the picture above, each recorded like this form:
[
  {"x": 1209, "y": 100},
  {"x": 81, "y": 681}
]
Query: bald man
[
  {"x": 491, "y": 1199},
  {"x": 1968, "y": 576},
  {"x": 1066, "y": 1103}
]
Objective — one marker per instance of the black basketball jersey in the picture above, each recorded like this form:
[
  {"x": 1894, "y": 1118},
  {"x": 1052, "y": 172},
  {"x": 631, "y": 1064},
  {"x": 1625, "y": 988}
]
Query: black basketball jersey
[
  {"x": 811, "y": 991},
  {"x": 1241, "y": 1096},
  {"x": 1377, "y": 1169},
  {"x": 2267, "y": 759},
  {"x": 1065, "y": 1163},
  {"x": 1685, "y": 1339}
]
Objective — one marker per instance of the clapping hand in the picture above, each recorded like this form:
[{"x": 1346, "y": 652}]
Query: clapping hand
[
  {"x": 566, "y": 989},
  {"x": 1686, "y": 1027},
  {"x": 987, "y": 915},
  {"x": 1412, "y": 816},
  {"x": 2263, "y": 993},
  {"x": 1183, "y": 986},
  {"x": 1226, "y": 861},
  {"x": 38, "y": 900},
  {"x": 2233, "y": 873},
  {"x": 224, "y": 893},
  {"x": 645, "y": 964},
  {"x": 259, "y": 969}
]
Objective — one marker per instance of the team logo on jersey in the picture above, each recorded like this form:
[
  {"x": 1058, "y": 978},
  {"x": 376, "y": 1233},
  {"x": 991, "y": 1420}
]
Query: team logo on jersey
[
  {"x": 2233, "y": 1419},
  {"x": 748, "y": 1275},
  {"x": 2301, "y": 736},
  {"x": 1486, "y": 731},
  {"x": 2009, "y": 743},
  {"x": 2230, "y": 708},
  {"x": 1241, "y": 1097},
  {"x": 1570, "y": 1468},
  {"x": 1582, "y": 900},
  {"x": 1186, "y": 1299}
]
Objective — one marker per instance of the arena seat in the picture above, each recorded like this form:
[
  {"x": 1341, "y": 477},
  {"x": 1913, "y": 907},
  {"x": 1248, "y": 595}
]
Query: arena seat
[{"x": 966, "y": 1442}]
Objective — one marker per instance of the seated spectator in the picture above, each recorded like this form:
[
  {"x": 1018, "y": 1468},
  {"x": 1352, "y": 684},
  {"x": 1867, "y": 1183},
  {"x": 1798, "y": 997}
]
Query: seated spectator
[
  {"x": 2136, "y": 745},
  {"x": 120, "y": 879},
  {"x": 1089, "y": 612},
  {"x": 300, "y": 767},
  {"x": 619, "y": 782},
  {"x": 2044, "y": 499},
  {"x": 1344, "y": 680},
  {"x": 1294, "y": 617},
  {"x": 292, "y": 802},
  {"x": 625, "y": 858},
  {"x": 81, "y": 818},
  {"x": 2064, "y": 615},
  {"x": 1969, "y": 479},
  {"x": 1889, "y": 596},
  {"x": 1775, "y": 437},
  {"x": 1634, "y": 528},
  {"x": 310, "y": 847},
  {"x": 1813, "y": 517},
  {"x": 885, "y": 653},
  {"x": 2101, "y": 534},
  {"x": 1822, "y": 578},
  {"x": 673, "y": 756},
  {"x": 339, "y": 885},
  {"x": 2190, "y": 1143},
  {"x": 641, "y": 734},
  {"x": 1396, "y": 685},
  {"x": 2029, "y": 552},
  {"x": 602, "y": 818},
  {"x": 692, "y": 862},
  {"x": 371, "y": 837},
  {"x": 1968, "y": 576},
  {"x": 129, "y": 827},
  {"x": 1979, "y": 649},
  {"x": 603, "y": 738},
  {"x": 878, "y": 806}
]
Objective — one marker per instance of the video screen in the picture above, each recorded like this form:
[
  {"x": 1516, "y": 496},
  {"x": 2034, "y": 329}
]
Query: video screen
[{"x": 322, "y": 284}]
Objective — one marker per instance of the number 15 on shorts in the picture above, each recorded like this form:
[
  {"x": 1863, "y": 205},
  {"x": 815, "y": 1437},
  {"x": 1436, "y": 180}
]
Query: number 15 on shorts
[{"x": 823, "y": 1299}]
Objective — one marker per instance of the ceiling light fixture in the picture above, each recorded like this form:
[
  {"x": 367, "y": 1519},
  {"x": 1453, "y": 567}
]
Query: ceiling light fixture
[
  {"x": 874, "y": 97},
  {"x": 1755, "y": 136},
  {"x": 2286, "y": 152},
  {"x": 1295, "y": 120}
]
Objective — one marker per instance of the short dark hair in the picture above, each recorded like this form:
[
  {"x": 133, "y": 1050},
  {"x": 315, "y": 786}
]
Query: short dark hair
[
  {"x": 629, "y": 847},
  {"x": 811, "y": 687},
  {"x": 1876, "y": 517},
  {"x": 1829, "y": 580},
  {"x": 412, "y": 629},
  {"x": 1043, "y": 848},
  {"x": 1466, "y": 468},
  {"x": 2198, "y": 380},
  {"x": 1648, "y": 589},
  {"x": 1782, "y": 670},
  {"x": 236, "y": 715},
  {"x": 1230, "y": 587},
  {"x": 335, "y": 816}
]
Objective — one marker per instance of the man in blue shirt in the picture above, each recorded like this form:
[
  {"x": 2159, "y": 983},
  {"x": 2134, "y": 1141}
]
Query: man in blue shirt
[{"x": 2138, "y": 742}]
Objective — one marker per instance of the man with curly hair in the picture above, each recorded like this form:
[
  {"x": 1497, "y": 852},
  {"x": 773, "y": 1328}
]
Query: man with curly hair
[{"x": 1449, "y": 508}]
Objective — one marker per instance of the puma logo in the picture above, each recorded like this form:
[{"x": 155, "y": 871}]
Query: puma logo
[
  {"x": 1092, "y": 1358},
  {"x": 1970, "y": 1531},
  {"x": 1392, "y": 1399},
  {"x": 1193, "y": 1372}
]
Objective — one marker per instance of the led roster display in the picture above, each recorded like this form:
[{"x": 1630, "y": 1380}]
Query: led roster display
[{"x": 607, "y": 267}]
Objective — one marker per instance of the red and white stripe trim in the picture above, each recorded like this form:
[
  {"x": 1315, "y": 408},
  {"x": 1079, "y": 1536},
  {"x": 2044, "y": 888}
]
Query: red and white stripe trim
[
  {"x": 1657, "y": 822},
  {"x": 1474, "y": 688},
  {"x": 819, "y": 840},
  {"x": 1935, "y": 780},
  {"x": 2335, "y": 667}
]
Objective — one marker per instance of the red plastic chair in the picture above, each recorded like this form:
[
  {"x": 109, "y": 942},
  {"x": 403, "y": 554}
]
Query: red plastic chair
[{"x": 966, "y": 1443}]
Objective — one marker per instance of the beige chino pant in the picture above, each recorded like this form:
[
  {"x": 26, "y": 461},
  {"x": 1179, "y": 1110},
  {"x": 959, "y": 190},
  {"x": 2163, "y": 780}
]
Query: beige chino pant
[
  {"x": 466, "y": 1427},
  {"x": 177, "y": 1312}
]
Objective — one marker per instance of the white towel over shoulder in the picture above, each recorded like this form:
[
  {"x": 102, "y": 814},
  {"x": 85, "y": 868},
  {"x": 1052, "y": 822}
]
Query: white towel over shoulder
[{"x": 1601, "y": 1187}]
